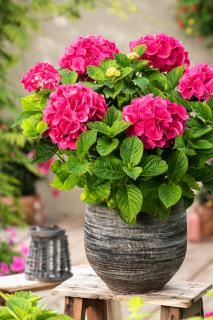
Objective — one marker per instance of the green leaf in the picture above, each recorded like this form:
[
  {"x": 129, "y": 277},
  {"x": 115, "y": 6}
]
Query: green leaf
[
  {"x": 22, "y": 116},
  {"x": 169, "y": 194},
  {"x": 153, "y": 166},
  {"x": 177, "y": 165},
  {"x": 95, "y": 193},
  {"x": 99, "y": 126},
  {"x": 198, "y": 129},
  {"x": 35, "y": 102},
  {"x": 125, "y": 72},
  {"x": 96, "y": 73},
  {"x": 77, "y": 166},
  {"x": 140, "y": 49},
  {"x": 174, "y": 76},
  {"x": 202, "y": 110},
  {"x": 92, "y": 85},
  {"x": 106, "y": 145},
  {"x": 68, "y": 77},
  {"x": 65, "y": 185},
  {"x": 191, "y": 182},
  {"x": 159, "y": 80},
  {"x": 112, "y": 115},
  {"x": 118, "y": 127},
  {"x": 41, "y": 127},
  {"x": 85, "y": 141},
  {"x": 131, "y": 151},
  {"x": 109, "y": 168},
  {"x": 108, "y": 63},
  {"x": 210, "y": 102},
  {"x": 202, "y": 144},
  {"x": 133, "y": 173},
  {"x": 204, "y": 174},
  {"x": 122, "y": 59},
  {"x": 45, "y": 150},
  {"x": 129, "y": 203},
  {"x": 141, "y": 82}
]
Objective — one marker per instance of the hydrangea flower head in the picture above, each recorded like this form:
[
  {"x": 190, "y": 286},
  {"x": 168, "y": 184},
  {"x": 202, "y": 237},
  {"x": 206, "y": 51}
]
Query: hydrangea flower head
[
  {"x": 41, "y": 76},
  {"x": 197, "y": 83},
  {"x": 4, "y": 269},
  {"x": 154, "y": 120},
  {"x": 69, "y": 109},
  {"x": 86, "y": 51},
  {"x": 164, "y": 52},
  {"x": 18, "y": 264}
]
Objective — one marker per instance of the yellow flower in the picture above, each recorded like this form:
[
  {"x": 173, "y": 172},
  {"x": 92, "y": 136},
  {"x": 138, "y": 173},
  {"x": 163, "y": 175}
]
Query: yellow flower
[
  {"x": 189, "y": 30},
  {"x": 191, "y": 22},
  {"x": 113, "y": 72},
  {"x": 132, "y": 55}
]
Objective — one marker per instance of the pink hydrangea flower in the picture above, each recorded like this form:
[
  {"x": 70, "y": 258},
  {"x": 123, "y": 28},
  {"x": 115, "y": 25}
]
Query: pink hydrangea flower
[
  {"x": 68, "y": 110},
  {"x": 85, "y": 51},
  {"x": 4, "y": 269},
  {"x": 163, "y": 51},
  {"x": 18, "y": 264},
  {"x": 154, "y": 120},
  {"x": 24, "y": 250},
  {"x": 41, "y": 76},
  {"x": 197, "y": 83}
]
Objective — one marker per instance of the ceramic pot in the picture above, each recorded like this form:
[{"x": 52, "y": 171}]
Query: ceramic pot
[{"x": 135, "y": 258}]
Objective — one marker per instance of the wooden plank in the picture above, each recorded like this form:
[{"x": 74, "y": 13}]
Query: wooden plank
[
  {"x": 17, "y": 282},
  {"x": 170, "y": 313},
  {"x": 86, "y": 284},
  {"x": 96, "y": 310}
]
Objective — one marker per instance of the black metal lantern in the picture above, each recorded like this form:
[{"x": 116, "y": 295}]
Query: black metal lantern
[{"x": 48, "y": 258}]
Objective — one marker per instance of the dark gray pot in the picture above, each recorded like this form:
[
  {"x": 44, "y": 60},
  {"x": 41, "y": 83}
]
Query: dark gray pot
[{"x": 135, "y": 258}]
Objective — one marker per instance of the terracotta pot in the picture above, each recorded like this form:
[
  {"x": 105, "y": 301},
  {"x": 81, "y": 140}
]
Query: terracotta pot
[
  {"x": 31, "y": 206},
  {"x": 135, "y": 258},
  {"x": 200, "y": 222}
]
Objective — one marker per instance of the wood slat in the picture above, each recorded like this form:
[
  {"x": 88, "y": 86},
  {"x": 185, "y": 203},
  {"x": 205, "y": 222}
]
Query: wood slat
[
  {"x": 86, "y": 284},
  {"x": 17, "y": 282}
]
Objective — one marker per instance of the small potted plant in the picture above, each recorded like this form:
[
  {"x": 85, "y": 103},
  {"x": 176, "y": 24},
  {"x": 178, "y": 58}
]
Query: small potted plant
[{"x": 135, "y": 132}]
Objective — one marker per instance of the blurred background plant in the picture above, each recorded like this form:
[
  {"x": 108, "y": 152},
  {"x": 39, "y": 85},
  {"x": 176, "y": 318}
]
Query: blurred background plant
[
  {"x": 18, "y": 21},
  {"x": 12, "y": 253},
  {"x": 195, "y": 17}
]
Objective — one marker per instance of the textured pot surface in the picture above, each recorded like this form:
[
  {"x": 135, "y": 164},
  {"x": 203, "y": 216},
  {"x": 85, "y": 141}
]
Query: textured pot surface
[{"x": 135, "y": 258}]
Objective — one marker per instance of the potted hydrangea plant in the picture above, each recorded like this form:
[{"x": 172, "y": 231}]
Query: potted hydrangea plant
[{"x": 135, "y": 132}]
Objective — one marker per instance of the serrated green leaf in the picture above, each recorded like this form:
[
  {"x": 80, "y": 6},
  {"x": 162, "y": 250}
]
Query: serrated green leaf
[
  {"x": 45, "y": 150},
  {"x": 197, "y": 128},
  {"x": 159, "y": 80},
  {"x": 92, "y": 85},
  {"x": 106, "y": 145},
  {"x": 131, "y": 151},
  {"x": 118, "y": 127},
  {"x": 191, "y": 182},
  {"x": 125, "y": 72},
  {"x": 169, "y": 194},
  {"x": 100, "y": 126},
  {"x": 122, "y": 59},
  {"x": 153, "y": 166},
  {"x": 201, "y": 144},
  {"x": 85, "y": 141},
  {"x": 108, "y": 63},
  {"x": 22, "y": 116},
  {"x": 141, "y": 82},
  {"x": 140, "y": 49},
  {"x": 112, "y": 115},
  {"x": 133, "y": 173},
  {"x": 129, "y": 203},
  {"x": 77, "y": 166},
  {"x": 68, "y": 77},
  {"x": 202, "y": 110},
  {"x": 108, "y": 168},
  {"x": 174, "y": 76},
  {"x": 94, "y": 194},
  {"x": 41, "y": 127},
  {"x": 35, "y": 102},
  {"x": 177, "y": 165},
  {"x": 96, "y": 73},
  {"x": 67, "y": 184}
]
